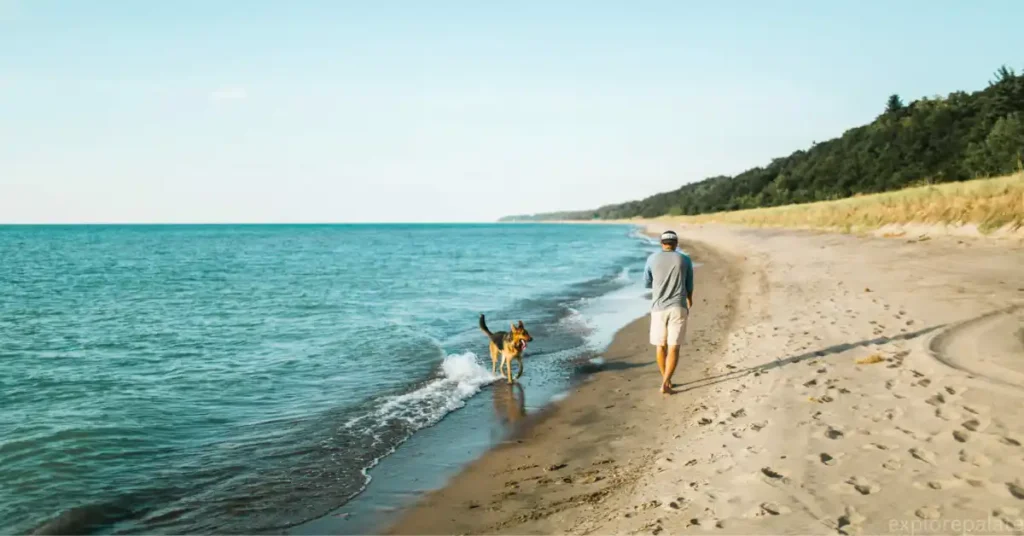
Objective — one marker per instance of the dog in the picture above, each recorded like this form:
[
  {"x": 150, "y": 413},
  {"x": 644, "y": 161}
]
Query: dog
[{"x": 509, "y": 345}]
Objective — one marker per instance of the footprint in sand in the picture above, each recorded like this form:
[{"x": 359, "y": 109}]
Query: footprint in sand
[
  {"x": 936, "y": 400},
  {"x": 775, "y": 509},
  {"x": 863, "y": 485},
  {"x": 943, "y": 484},
  {"x": 971, "y": 480},
  {"x": 928, "y": 512},
  {"x": 974, "y": 458},
  {"x": 827, "y": 459},
  {"x": 1007, "y": 440},
  {"x": 1016, "y": 489},
  {"x": 892, "y": 464},
  {"x": 974, "y": 425},
  {"x": 834, "y": 433},
  {"x": 924, "y": 455},
  {"x": 674, "y": 504},
  {"x": 851, "y": 518},
  {"x": 976, "y": 410},
  {"x": 920, "y": 436},
  {"x": 890, "y": 414},
  {"x": 773, "y": 475},
  {"x": 961, "y": 436}
]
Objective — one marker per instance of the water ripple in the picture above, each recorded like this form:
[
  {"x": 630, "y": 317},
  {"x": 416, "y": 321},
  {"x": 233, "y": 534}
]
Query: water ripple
[{"x": 207, "y": 378}]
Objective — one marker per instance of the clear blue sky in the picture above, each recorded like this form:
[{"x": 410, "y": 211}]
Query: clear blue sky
[{"x": 225, "y": 111}]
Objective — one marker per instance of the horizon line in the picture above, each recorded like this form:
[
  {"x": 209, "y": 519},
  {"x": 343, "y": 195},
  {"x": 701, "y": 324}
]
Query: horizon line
[{"x": 253, "y": 223}]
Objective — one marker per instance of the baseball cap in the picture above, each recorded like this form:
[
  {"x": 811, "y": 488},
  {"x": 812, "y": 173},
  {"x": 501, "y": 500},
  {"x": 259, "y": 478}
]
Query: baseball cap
[{"x": 669, "y": 236}]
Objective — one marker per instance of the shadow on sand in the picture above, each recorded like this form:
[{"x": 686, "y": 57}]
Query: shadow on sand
[{"x": 781, "y": 362}]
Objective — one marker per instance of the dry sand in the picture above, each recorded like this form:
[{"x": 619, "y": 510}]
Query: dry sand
[{"x": 831, "y": 383}]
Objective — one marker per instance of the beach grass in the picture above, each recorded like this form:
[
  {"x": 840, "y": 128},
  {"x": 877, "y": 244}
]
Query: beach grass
[{"x": 988, "y": 204}]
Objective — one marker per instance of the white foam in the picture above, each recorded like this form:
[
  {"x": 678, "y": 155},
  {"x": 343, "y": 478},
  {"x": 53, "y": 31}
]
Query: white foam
[
  {"x": 638, "y": 233},
  {"x": 575, "y": 322},
  {"x": 461, "y": 377},
  {"x": 623, "y": 275},
  {"x": 607, "y": 314}
]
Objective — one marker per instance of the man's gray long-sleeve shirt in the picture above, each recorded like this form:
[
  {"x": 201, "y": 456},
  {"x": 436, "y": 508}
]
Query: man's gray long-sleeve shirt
[{"x": 669, "y": 275}]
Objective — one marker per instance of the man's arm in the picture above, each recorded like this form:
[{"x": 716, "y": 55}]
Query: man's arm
[
  {"x": 648, "y": 275},
  {"x": 689, "y": 283}
]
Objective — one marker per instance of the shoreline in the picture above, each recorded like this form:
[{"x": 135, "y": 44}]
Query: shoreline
[
  {"x": 584, "y": 441},
  {"x": 588, "y": 316},
  {"x": 830, "y": 383},
  {"x": 1007, "y": 236}
]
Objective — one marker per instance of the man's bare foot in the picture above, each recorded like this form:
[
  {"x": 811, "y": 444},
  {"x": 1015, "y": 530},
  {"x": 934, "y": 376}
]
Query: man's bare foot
[{"x": 666, "y": 389}]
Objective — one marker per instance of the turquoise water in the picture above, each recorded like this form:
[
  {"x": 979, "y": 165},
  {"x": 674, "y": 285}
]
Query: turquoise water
[{"x": 179, "y": 379}]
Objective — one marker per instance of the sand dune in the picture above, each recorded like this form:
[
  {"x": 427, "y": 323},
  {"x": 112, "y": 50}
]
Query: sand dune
[{"x": 833, "y": 383}]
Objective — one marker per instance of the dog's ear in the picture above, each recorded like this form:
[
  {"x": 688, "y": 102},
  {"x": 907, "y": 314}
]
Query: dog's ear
[
  {"x": 520, "y": 324},
  {"x": 513, "y": 326}
]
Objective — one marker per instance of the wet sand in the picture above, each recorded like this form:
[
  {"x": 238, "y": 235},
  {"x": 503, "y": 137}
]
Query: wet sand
[{"x": 830, "y": 383}]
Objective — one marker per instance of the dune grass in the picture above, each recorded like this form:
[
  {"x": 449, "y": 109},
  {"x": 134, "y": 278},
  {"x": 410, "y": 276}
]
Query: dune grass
[{"x": 989, "y": 204}]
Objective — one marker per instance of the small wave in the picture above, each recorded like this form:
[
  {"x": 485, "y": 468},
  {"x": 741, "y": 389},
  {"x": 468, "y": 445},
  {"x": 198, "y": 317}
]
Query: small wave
[
  {"x": 575, "y": 322},
  {"x": 461, "y": 376},
  {"x": 394, "y": 419},
  {"x": 608, "y": 313},
  {"x": 639, "y": 234},
  {"x": 623, "y": 275}
]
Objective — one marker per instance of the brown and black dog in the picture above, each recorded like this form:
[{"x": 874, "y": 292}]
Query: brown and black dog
[{"x": 509, "y": 345}]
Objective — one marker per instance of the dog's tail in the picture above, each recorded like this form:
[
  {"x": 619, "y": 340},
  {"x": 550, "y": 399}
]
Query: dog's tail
[{"x": 483, "y": 327}]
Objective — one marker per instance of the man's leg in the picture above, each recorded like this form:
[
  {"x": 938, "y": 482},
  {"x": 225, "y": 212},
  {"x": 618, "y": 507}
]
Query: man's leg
[
  {"x": 676, "y": 335},
  {"x": 659, "y": 339},
  {"x": 670, "y": 366}
]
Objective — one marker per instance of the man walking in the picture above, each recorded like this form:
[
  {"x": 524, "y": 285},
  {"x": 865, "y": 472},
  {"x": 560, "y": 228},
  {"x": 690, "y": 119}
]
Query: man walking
[{"x": 669, "y": 275}]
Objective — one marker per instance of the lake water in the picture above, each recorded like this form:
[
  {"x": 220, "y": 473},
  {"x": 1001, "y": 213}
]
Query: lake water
[{"x": 173, "y": 379}]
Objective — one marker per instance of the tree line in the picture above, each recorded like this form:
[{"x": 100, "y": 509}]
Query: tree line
[{"x": 931, "y": 140}]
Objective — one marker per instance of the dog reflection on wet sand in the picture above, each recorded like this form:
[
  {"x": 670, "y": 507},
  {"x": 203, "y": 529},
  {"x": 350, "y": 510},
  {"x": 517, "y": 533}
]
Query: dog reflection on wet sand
[{"x": 509, "y": 402}]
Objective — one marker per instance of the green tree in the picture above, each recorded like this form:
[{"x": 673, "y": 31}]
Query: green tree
[
  {"x": 930, "y": 140},
  {"x": 894, "y": 104},
  {"x": 1001, "y": 151},
  {"x": 1003, "y": 74}
]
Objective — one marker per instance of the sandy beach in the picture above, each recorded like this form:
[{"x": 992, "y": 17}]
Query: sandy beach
[{"x": 831, "y": 383}]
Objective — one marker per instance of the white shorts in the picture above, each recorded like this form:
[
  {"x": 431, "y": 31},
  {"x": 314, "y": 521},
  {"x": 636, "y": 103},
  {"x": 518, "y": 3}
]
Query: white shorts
[{"x": 668, "y": 327}]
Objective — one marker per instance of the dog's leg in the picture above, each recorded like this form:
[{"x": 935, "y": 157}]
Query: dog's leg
[
  {"x": 508, "y": 365},
  {"x": 519, "y": 359},
  {"x": 494, "y": 358}
]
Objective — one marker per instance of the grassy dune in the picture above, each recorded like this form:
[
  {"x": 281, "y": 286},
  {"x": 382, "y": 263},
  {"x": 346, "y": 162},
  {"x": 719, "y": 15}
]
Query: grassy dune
[{"x": 989, "y": 204}]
